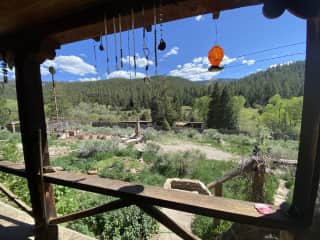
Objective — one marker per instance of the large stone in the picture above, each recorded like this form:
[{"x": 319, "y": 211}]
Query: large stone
[{"x": 187, "y": 185}]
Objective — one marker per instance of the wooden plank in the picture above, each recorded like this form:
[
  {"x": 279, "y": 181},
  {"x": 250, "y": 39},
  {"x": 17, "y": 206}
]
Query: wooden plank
[
  {"x": 92, "y": 211},
  {"x": 17, "y": 169},
  {"x": 307, "y": 175},
  {"x": 168, "y": 222},
  {"x": 32, "y": 119},
  {"x": 216, "y": 207},
  {"x": 15, "y": 199},
  {"x": 83, "y": 21}
]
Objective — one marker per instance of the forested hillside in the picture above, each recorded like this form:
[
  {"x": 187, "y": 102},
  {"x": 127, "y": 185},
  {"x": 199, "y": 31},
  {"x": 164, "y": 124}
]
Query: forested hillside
[{"x": 286, "y": 80}]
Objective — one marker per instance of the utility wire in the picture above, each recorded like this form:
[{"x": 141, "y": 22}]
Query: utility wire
[{"x": 270, "y": 49}]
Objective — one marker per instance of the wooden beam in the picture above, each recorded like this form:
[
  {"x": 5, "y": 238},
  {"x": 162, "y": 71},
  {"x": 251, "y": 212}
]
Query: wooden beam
[
  {"x": 215, "y": 207},
  {"x": 15, "y": 199},
  {"x": 84, "y": 23},
  {"x": 32, "y": 119},
  {"x": 17, "y": 169},
  {"x": 307, "y": 175},
  {"x": 92, "y": 211},
  {"x": 168, "y": 222}
]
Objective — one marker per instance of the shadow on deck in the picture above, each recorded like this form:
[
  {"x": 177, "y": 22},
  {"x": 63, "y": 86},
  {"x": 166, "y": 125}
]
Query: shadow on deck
[{"x": 17, "y": 225}]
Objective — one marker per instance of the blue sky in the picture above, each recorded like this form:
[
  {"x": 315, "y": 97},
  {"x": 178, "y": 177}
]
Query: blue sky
[{"x": 240, "y": 31}]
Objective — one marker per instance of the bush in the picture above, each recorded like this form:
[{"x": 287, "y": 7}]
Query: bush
[
  {"x": 203, "y": 227},
  {"x": 151, "y": 134},
  {"x": 91, "y": 147}
]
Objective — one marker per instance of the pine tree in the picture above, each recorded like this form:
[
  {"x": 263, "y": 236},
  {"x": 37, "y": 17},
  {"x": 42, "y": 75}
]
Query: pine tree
[
  {"x": 228, "y": 119},
  {"x": 214, "y": 113}
]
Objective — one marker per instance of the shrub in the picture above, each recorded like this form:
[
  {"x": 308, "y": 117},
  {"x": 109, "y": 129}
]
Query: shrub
[{"x": 91, "y": 147}]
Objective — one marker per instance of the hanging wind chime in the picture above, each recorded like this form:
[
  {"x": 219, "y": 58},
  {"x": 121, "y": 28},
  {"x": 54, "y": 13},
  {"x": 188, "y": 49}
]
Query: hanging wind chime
[
  {"x": 134, "y": 43},
  {"x": 129, "y": 54},
  {"x": 145, "y": 48},
  {"x": 115, "y": 44},
  {"x": 121, "y": 47},
  {"x": 107, "y": 43},
  {"x": 216, "y": 53},
  {"x": 5, "y": 72},
  {"x": 95, "y": 56},
  {"x": 155, "y": 39},
  {"x": 162, "y": 44}
]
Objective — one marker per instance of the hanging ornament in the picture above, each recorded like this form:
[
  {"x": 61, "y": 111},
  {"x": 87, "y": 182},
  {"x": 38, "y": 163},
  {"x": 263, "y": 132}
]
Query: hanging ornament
[
  {"x": 145, "y": 48},
  {"x": 5, "y": 72},
  {"x": 95, "y": 56},
  {"x": 155, "y": 39},
  {"x": 115, "y": 43},
  {"x": 162, "y": 45},
  {"x": 121, "y": 48},
  {"x": 216, "y": 53},
  {"x": 134, "y": 43},
  {"x": 101, "y": 48},
  {"x": 107, "y": 43}
]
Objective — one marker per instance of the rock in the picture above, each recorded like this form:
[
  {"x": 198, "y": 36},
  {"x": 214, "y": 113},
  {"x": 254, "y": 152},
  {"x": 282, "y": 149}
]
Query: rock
[
  {"x": 92, "y": 172},
  {"x": 187, "y": 185}
]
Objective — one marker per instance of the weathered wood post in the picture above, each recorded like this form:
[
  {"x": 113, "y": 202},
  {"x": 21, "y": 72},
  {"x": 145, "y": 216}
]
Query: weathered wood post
[
  {"x": 218, "y": 193},
  {"x": 32, "y": 122},
  {"x": 258, "y": 179}
]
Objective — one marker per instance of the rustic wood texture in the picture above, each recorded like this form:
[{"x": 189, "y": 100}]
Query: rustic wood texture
[
  {"x": 92, "y": 211},
  {"x": 223, "y": 208},
  {"x": 32, "y": 119},
  {"x": 168, "y": 222},
  {"x": 69, "y": 21},
  {"x": 17, "y": 169},
  {"x": 15, "y": 199},
  {"x": 307, "y": 175}
]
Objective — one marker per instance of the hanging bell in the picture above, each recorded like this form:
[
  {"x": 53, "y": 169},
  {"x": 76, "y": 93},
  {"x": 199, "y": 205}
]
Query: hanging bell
[{"x": 162, "y": 45}]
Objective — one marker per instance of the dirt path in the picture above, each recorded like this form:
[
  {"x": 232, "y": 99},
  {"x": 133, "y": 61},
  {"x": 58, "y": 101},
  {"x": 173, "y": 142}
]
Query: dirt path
[
  {"x": 210, "y": 152},
  {"x": 281, "y": 194},
  {"x": 182, "y": 218}
]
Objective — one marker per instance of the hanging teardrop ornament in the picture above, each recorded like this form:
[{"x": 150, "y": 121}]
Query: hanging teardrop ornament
[
  {"x": 101, "y": 47},
  {"x": 107, "y": 43},
  {"x": 162, "y": 44}
]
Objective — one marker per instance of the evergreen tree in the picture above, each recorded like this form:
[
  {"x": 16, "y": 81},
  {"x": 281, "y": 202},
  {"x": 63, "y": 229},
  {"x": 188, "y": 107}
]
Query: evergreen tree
[
  {"x": 214, "y": 113},
  {"x": 228, "y": 118}
]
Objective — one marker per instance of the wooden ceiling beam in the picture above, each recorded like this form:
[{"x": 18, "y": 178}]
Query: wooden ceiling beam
[{"x": 89, "y": 22}]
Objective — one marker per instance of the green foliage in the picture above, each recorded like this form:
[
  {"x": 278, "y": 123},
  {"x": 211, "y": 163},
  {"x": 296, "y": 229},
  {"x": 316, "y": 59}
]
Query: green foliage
[
  {"x": 204, "y": 228},
  {"x": 201, "y": 107},
  {"x": 283, "y": 116},
  {"x": 213, "y": 120}
]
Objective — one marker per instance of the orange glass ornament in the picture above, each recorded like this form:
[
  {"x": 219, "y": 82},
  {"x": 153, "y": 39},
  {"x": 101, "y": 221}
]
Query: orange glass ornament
[{"x": 216, "y": 55}]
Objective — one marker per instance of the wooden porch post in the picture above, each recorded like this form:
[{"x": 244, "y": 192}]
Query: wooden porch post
[
  {"x": 307, "y": 175},
  {"x": 32, "y": 122}
]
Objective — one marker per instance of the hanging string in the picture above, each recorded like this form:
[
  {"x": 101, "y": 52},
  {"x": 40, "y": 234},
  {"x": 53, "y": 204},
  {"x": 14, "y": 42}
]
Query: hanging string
[
  {"x": 5, "y": 72},
  {"x": 115, "y": 43},
  {"x": 216, "y": 24},
  {"x": 95, "y": 56},
  {"x": 145, "y": 47},
  {"x": 121, "y": 49},
  {"x": 107, "y": 43},
  {"x": 155, "y": 39},
  {"x": 134, "y": 43},
  {"x": 129, "y": 53}
]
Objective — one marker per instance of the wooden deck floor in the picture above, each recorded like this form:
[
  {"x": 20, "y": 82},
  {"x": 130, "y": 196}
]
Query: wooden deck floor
[{"x": 17, "y": 225}]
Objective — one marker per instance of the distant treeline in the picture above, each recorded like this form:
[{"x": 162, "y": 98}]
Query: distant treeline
[{"x": 286, "y": 80}]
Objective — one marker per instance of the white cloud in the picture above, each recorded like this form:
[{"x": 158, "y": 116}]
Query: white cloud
[
  {"x": 280, "y": 64},
  {"x": 125, "y": 74},
  {"x": 197, "y": 69},
  {"x": 69, "y": 64},
  {"x": 249, "y": 62},
  {"x": 198, "y": 18},
  {"x": 140, "y": 61},
  {"x": 89, "y": 79},
  {"x": 172, "y": 51}
]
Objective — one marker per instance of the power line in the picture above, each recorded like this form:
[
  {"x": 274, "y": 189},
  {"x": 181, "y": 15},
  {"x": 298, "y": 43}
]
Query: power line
[{"x": 270, "y": 49}]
